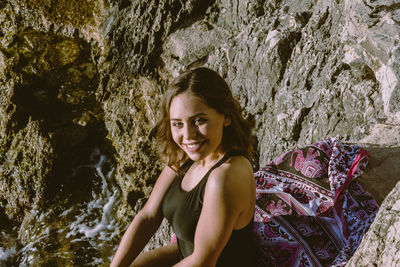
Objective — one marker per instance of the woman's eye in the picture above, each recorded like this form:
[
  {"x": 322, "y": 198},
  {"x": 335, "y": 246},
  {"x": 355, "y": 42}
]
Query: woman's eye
[
  {"x": 199, "y": 121},
  {"x": 176, "y": 124}
]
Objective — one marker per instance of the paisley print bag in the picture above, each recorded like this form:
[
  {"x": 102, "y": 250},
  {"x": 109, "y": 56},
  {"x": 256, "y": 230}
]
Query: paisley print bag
[{"x": 310, "y": 209}]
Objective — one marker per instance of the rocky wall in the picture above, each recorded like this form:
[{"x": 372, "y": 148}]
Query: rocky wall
[
  {"x": 50, "y": 118},
  {"x": 306, "y": 70}
]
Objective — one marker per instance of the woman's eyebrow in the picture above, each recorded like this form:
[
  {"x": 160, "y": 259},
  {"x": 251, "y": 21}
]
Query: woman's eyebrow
[{"x": 191, "y": 117}]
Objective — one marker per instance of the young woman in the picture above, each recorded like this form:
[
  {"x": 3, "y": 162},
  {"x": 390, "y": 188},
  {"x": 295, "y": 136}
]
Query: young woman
[{"x": 207, "y": 189}]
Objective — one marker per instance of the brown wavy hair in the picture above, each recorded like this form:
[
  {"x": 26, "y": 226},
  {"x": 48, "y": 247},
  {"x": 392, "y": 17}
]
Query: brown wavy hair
[{"x": 215, "y": 92}]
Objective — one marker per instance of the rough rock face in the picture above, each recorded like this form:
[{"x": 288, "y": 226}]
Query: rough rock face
[
  {"x": 380, "y": 245},
  {"x": 77, "y": 76},
  {"x": 50, "y": 118},
  {"x": 23, "y": 185}
]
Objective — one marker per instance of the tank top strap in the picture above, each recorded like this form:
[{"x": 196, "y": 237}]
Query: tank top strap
[
  {"x": 185, "y": 166},
  {"x": 223, "y": 160}
]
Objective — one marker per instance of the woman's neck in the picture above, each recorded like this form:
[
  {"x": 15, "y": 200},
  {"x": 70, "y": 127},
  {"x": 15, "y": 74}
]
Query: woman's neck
[{"x": 211, "y": 159}]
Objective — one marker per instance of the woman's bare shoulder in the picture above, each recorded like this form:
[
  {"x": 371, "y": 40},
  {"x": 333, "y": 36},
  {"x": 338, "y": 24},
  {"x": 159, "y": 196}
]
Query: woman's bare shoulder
[
  {"x": 236, "y": 169},
  {"x": 168, "y": 173}
]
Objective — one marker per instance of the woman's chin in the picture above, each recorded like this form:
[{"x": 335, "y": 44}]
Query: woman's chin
[{"x": 194, "y": 156}]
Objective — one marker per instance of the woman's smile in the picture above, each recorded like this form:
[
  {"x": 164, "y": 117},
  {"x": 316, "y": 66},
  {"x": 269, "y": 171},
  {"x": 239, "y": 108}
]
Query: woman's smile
[{"x": 194, "y": 147}]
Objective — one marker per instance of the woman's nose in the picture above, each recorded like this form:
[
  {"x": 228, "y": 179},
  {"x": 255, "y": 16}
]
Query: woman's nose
[{"x": 189, "y": 132}]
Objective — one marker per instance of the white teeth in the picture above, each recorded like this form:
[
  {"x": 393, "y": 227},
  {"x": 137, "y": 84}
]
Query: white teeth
[{"x": 192, "y": 145}]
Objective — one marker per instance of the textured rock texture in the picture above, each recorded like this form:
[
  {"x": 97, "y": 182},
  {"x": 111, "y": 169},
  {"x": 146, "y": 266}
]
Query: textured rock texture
[
  {"x": 76, "y": 75},
  {"x": 380, "y": 245}
]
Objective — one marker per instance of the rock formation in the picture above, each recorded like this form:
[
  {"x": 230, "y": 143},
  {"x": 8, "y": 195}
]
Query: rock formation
[{"x": 74, "y": 76}]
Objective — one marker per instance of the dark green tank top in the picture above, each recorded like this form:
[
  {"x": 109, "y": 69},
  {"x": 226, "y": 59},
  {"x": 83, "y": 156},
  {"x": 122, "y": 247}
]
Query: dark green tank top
[{"x": 182, "y": 209}]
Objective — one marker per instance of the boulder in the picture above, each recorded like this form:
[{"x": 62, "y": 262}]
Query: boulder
[{"x": 380, "y": 245}]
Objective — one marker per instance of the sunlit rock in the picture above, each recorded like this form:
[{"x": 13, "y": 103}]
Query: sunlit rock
[
  {"x": 380, "y": 245},
  {"x": 372, "y": 34}
]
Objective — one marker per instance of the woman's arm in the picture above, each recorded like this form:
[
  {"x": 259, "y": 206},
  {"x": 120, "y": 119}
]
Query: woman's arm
[
  {"x": 145, "y": 223},
  {"x": 135, "y": 238},
  {"x": 228, "y": 204}
]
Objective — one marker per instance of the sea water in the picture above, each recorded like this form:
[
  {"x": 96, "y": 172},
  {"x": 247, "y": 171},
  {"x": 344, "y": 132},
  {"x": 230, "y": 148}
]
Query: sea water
[{"x": 85, "y": 234}]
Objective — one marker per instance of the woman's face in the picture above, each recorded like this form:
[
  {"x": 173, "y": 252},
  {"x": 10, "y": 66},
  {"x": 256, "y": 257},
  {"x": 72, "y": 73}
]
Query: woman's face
[{"x": 195, "y": 127}]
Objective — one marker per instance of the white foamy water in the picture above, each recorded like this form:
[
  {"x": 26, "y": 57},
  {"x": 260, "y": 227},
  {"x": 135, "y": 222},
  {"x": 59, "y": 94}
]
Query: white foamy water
[
  {"x": 104, "y": 202},
  {"x": 8, "y": 247},
  {"x": 84, "y": 234},
  {"x": 5, "y": 254}
]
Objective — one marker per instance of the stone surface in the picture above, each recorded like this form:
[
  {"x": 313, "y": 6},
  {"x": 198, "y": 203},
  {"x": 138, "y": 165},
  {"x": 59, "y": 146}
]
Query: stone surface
[
  {"x": 382, "y": 173},
  {"x": 23, "y": 185},
  {"x": 68, "y": 18},
  {"x": 372, "y": 32},
  {"x": 77, "y": 75},
  {"x": 50, "y": 120},
  {"x": 380, "y": 245}
]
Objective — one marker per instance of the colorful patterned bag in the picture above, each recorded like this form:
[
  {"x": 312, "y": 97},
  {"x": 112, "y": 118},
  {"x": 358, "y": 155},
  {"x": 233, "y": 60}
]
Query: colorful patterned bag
[{"x": 310, "y": 210}]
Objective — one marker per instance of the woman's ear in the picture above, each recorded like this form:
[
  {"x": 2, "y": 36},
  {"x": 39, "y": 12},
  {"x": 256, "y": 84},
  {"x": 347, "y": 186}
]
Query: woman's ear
[{"x": 227, "y": 121}]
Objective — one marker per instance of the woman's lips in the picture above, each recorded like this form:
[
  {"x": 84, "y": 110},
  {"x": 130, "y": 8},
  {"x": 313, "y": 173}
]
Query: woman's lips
[{"x": 194, "y": 146}]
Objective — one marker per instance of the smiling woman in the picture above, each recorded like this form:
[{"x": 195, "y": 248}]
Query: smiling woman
[
  {"x": 207, "y": 189},
  {"x": 215, "y": 93},
  {"x": 195, "y": 127}
]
